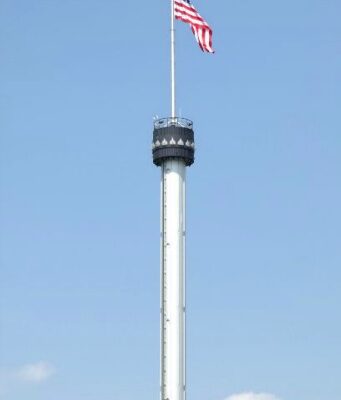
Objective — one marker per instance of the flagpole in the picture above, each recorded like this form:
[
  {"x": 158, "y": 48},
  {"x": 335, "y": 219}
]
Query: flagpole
[{"x": 173, "y": 103}]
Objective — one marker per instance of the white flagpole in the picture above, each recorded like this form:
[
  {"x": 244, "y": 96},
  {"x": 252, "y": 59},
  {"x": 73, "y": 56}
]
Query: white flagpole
[{"x": 173, "y": 60}]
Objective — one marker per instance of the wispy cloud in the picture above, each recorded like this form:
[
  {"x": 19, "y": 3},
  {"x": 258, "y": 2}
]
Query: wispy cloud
[
  {"x": 252, "y": 396},
  {"x": 36, "y": 373}
]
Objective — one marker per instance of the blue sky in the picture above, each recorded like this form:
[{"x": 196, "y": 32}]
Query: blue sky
[{"x": 79, "y": 213}]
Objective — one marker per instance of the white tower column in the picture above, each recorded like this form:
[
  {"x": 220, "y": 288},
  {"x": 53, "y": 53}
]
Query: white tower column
[{"x": 173, "y": 181}]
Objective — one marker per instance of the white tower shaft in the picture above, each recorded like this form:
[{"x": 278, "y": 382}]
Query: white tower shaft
[{"x": 173, "y": 181}]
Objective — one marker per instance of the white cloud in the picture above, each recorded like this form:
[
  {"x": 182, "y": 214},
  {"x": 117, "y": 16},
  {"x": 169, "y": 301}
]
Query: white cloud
[
  {"x": 36, "y": 373},
  {"x": 252, "y": 396}
]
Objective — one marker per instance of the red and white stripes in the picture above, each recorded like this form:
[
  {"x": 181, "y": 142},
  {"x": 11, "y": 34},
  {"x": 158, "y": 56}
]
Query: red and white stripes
[{"x": 185, "y": 11}]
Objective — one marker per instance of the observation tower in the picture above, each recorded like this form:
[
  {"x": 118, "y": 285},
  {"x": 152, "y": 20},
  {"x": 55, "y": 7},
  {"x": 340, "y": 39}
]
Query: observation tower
[{"x": 173, "y": 151}]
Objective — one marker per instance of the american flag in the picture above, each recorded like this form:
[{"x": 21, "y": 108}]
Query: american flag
[{"x": 186, "y": 12}]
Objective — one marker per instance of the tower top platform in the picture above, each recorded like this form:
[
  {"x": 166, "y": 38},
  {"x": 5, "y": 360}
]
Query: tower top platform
[
  {"x": 173, "y": 121},
  {"x": 173, "y": 137}
]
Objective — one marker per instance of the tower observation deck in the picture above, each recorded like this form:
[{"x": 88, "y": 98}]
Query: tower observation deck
[{"x": 173, "y": 138}]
